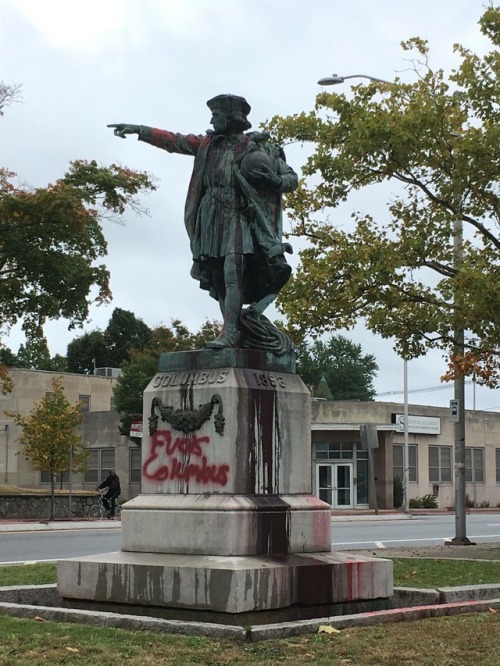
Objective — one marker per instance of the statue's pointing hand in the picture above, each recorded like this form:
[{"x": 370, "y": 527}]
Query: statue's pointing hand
[{"x": 122, "y": 129}]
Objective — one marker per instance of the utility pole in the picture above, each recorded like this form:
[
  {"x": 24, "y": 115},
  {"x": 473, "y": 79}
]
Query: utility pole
[
  {"x": 406, "y": 456},
  {"x": 460, "y": 538}
]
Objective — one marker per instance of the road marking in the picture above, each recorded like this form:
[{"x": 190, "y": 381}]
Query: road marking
[
  {"x": 386, "y": 541},
  {"x": 409, "y": 542}
]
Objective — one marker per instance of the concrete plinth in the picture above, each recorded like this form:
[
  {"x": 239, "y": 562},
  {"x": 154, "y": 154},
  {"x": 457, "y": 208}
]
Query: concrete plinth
[
  {"x": 225, "y": 584},
  {"x": 226, "y": 522}
]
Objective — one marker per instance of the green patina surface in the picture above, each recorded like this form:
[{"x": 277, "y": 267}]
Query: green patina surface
[{"x": 211, "y": 359}]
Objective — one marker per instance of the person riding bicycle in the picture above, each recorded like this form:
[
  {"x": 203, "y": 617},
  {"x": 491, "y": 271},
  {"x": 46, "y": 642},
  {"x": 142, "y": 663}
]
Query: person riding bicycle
[{"x": 112, "y": 483}]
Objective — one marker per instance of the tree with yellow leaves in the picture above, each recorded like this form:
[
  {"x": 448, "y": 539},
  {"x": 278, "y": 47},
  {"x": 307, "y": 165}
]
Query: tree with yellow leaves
[
  {"x": 427, "y": 265},
  {"x": 50, "y": 439}
]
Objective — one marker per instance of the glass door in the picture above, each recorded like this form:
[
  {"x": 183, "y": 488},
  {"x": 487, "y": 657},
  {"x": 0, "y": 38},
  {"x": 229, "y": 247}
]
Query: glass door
[
  {"x": 324, "y": 482},
  {"x": 343, "y": 486},
  {"x": 334, "y": 484}
]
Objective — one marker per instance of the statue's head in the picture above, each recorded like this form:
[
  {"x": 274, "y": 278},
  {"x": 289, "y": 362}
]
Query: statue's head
[{"x": 229, "y": 113}]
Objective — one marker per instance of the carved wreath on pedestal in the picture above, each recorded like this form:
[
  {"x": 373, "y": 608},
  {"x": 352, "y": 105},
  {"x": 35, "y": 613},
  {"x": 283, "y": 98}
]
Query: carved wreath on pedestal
[{"x": 187, "y": 420}]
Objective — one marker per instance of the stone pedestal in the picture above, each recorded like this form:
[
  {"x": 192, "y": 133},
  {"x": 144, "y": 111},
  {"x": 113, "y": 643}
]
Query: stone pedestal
[{"x": 226, "y": 520}]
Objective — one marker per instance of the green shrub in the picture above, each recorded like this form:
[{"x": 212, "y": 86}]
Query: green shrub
[
  {"x": 426, "y": 502},
  {"x": 429, "y": 502},
  {"x": 397, "y": 492}
]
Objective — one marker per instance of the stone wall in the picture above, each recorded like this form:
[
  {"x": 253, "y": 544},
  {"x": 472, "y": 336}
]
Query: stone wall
[{"x": 37, "y": 507}]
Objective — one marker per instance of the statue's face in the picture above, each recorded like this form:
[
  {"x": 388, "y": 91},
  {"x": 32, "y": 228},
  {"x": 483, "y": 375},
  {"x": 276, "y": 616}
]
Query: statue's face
[{"x": 219, "y": 122}]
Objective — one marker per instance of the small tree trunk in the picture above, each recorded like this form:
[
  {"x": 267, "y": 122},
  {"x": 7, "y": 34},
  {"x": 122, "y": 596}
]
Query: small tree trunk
[{"x": 52, "y": 496}]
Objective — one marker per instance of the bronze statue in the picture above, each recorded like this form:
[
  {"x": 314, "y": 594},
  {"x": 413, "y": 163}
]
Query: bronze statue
[{"x": 233, "y": 218}]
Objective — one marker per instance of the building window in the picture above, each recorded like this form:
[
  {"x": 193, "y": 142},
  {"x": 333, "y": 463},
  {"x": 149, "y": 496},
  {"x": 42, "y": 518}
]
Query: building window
[
  {"x": 440, "y": 464},
  {"x": 84, "y": 403},
  {"x": 99, "y": 462},
  {"x": 333, "y": 451},
  {"x": 474, "y": 467},
  {"x": 397, "y": 462},
  {"x": 60, "y": 479},
  {"x": 135, "y": 465}
]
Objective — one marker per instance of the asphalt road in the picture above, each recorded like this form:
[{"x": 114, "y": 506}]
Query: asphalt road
[
  {"x": 56, "y": 545},
  {"x": 424, "y": 530}
]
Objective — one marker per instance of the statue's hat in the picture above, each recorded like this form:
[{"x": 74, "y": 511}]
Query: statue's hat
[{"x": 236, "y": 108}]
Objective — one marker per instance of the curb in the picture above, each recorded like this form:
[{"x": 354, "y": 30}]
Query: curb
[
  {"x": 288, "y": 629},
  {"x": 216, "y": 630},
  {"x": 60, "y": 525},
  {"x": 344, "y": 518}
]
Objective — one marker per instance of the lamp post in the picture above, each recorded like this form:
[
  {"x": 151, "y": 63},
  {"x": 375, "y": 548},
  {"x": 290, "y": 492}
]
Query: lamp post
[
  {"x": 334, "y": 80},
  {"x": 459, "y": 387},
  {"x": 460, "y": 538},
  {"x": 6, "y": 475},
  {"x": 406, "y": 447}
]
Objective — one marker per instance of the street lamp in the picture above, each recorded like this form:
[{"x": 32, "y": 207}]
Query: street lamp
[
  {"x": 460, "y": 538},
  {"x": 459, "y": 386},
  {"x": 335, "y": 79}
]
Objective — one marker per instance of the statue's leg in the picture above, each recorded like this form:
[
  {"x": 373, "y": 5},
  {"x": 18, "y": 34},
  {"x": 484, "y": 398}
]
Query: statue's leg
[{"x": 232, "y": 302}]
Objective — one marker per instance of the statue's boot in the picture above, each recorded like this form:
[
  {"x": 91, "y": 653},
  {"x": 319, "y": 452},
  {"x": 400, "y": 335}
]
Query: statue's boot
[{"x": 228, "y": 337}]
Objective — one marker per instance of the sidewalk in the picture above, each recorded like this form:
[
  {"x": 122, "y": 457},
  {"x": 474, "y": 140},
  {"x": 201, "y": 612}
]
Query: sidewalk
[
  {"x": 337, "y": 517},
  {"x": 46, "y": 526},
  {"x": 368, "y": 514},
  {"x": 40, "y": 526}
]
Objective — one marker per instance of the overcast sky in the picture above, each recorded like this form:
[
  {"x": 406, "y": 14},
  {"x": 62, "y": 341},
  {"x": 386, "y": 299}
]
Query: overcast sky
[{"x": 83, "y": 65}]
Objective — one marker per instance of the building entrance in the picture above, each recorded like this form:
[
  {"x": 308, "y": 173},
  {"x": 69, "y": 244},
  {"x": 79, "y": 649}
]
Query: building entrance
[{"x": 334, "y": 482}]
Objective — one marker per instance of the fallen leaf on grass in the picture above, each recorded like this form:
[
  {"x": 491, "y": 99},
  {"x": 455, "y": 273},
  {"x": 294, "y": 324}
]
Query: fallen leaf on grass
[
  {"x": 39, "y": 619},
  {"x": 492, "y": 610},
  {"x": 70, "y": 649},
  {"x": 326, "y": 629}
]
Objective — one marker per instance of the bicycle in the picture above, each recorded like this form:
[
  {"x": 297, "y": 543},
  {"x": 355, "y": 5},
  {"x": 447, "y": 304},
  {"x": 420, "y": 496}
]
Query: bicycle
[{"x": 98, "y": 511}]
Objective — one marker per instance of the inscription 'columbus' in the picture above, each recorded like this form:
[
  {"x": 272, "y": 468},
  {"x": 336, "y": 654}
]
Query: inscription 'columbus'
[{"x": 190, "y": 378}]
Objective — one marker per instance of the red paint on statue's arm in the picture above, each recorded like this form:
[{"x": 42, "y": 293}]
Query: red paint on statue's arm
[{"x": 184, "y": 144}]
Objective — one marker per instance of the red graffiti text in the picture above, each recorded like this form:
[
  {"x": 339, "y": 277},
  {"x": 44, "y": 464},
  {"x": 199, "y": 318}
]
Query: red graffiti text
[{"x": 164, "y": 445}]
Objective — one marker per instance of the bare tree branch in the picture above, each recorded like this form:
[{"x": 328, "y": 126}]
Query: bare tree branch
[{"x": 9, "y": 94}]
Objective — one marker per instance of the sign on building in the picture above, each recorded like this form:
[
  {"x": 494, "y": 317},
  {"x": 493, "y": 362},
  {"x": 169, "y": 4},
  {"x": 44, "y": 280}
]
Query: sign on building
[{"x": 424, "y": 425}]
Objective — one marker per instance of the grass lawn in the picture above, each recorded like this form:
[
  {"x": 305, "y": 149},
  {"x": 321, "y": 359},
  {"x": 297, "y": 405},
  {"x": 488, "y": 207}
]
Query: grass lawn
[
  {"x": 411, "y": 572},
  {"x": 448, "y": 641},
  {"x": 28, "y": 574}
]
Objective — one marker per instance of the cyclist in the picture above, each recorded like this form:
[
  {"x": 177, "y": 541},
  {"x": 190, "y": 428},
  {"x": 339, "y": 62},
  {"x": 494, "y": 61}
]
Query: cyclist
[{"x": 112, "y": 483}]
